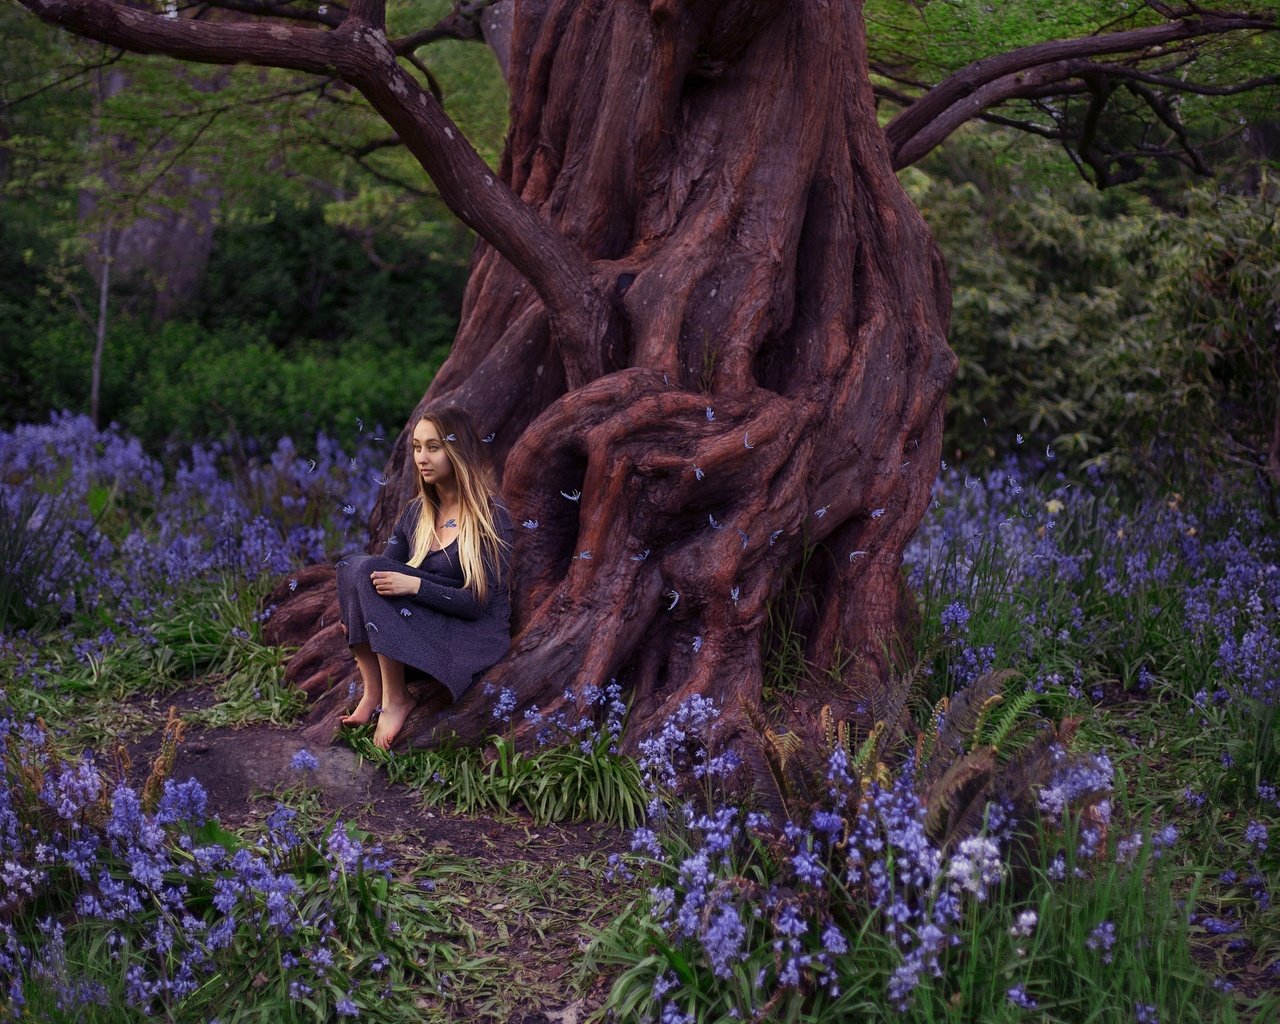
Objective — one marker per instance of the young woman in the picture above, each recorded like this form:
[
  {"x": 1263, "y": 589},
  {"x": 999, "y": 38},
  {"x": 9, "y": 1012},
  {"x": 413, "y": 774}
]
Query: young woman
[{"x": 436, "y": 599}]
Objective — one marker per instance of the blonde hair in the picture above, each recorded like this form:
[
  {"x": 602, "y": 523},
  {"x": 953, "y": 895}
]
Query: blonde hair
[{"x": 479, "y": 543}]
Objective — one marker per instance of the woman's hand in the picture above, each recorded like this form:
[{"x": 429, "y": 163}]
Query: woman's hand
[{"x": 394, "y": 584}]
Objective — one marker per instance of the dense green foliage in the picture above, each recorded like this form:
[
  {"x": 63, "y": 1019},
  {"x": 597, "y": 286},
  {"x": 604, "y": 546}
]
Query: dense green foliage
[
  {"x": 1151, "y": 625},
  {"x": 293, "y": 331},
  {"x": 1103, "y": 323},
  {"x": 335, "y": 279}
]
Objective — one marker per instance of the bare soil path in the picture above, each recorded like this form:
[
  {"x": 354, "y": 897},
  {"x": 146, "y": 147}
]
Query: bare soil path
[{"x": 530, "y": 894}]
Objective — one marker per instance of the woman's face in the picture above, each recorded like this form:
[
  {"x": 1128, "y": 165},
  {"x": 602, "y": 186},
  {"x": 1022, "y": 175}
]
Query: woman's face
[{"x": 429, "y": 455}]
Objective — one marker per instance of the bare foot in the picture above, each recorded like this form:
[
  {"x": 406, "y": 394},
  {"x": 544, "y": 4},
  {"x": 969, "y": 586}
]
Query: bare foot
[
  {"x": 389, "y": 723},
  {"x": 363, "y": 712}
]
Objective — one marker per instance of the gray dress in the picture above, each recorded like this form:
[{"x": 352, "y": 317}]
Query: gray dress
[{"x": 442, "y": 630}]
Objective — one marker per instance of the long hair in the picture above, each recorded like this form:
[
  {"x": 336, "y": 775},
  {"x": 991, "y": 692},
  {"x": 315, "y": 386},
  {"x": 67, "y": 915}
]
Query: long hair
[{"x": 479, "y": 543}]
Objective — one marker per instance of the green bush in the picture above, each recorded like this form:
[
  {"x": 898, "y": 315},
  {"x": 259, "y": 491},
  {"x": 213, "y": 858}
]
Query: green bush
[{"x": 1103, "y": 324}]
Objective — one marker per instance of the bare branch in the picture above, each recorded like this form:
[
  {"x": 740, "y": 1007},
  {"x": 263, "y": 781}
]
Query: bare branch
[
  {"x": 1167, "y": 116},
  {"x": 332, "y": 15},
  {"x": 463, "y": 22},
  {"x": 997, "y": 78},
  {"x": 201, "y": 41},
  {"x": 358, "y": 52},
  {"x": 57, "y": 83}
]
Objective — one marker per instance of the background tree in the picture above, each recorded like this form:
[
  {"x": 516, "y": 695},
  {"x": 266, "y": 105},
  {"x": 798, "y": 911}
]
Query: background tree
[{"x": 704, "y": 324}]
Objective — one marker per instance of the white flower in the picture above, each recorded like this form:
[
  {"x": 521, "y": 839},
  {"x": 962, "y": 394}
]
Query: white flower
[{"x": 976, "y": 866}]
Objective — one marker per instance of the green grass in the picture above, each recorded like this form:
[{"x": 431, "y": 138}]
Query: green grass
[{"x": 559, "y": 783}]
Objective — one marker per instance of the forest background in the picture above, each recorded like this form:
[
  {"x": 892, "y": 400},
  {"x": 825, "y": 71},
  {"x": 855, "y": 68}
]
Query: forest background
[
  {"x": 246, "y": 257},
  {"x": 275, "y": 264}
]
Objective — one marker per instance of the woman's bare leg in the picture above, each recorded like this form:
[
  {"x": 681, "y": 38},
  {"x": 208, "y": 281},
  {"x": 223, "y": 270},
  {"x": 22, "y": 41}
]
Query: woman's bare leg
[
  {"x": 396, "y": 702},
  {"x": 371, "y": 675}
]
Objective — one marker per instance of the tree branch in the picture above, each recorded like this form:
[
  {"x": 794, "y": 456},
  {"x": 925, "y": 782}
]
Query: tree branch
[
  {"x": 463, "y": 22},
  {"x": 991, "y": 80},
  {"x": 359, "y": 53},
  {"x": 201, "y": 41},
  {"x": 57, "y": 83},
  {"x": 329, "y": 14}
]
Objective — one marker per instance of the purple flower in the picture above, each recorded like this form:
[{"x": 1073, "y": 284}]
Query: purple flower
[
  {"x": 1103, "y": 939},
  {"x": 182, "y": 802},
  {"x": 955, "y": 618},
  {"x": 1018, "y": 996},
  {"x": 722, "y": 939},
  {"x": 505, "y": 704},
  {"x": 304, "y": 761}
]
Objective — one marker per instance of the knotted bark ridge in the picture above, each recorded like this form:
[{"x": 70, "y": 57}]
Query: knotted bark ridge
[{"x": 773, "y": 367}]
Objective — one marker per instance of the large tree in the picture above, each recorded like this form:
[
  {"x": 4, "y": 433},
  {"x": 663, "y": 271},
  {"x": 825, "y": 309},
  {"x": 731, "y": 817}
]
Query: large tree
[{"x": 705, "y": 326}]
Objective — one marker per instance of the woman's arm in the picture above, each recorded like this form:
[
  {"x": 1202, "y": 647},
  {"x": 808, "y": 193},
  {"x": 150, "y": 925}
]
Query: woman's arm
[
  {"x": 446, "y": 594},
  {"x": 452, "y": 599}
]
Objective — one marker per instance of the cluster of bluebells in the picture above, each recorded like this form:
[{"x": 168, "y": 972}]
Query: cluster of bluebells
[
  {"x": 1026, "y": 545},
  {"x": 176, "y": 905},
  {"x": 78, "y": 498},
  {"x": 862, "y": 856},
  {"x": 1003, "y": 547},
  {"x": 590, "y": 719}
]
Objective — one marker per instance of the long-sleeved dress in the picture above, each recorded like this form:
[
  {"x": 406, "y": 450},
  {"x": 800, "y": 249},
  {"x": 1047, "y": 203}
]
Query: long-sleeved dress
[{"x": 442, "y": 630}]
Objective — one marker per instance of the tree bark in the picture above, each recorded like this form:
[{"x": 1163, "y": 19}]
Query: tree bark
[{"x": 772, "y": 370}]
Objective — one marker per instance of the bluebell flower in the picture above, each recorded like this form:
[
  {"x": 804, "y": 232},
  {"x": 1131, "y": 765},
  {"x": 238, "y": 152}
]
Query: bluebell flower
[
  {"x": 1018, "y": 996},
  {"x": 303, "y": 761}
]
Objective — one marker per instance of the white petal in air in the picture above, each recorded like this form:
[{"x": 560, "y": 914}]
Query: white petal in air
[
  {"x": 714, "y": 525},
  {"x": 876, "y": 513},
  {"x": 359, "y": 424},
  {"x": 697, "y": 473},
  {"x": 746, "y": 441},
  {"x": 488, "y": 438},
  {"x": 675, "y": 599},
  {"x": 640, "y": 557},
  {"x": 774, "y": 536},
  {"x": 697, "y": 644},
  {"x": 530, "y": 524},
  {"x": 573, "y": 495},
  {"x": 711, "y": 414}
]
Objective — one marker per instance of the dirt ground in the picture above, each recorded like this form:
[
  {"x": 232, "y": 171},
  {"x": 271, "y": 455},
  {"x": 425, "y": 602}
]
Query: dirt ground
[{"x": 243, "y": 770}]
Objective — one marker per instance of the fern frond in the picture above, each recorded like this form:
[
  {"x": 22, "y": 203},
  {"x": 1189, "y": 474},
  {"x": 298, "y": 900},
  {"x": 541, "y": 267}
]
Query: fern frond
[
  {"x": 868, "y": 749},
  {"x": 827, "y": 727},
  {"x": 783, "y": 745},
  {"x": 950, "y": 800},
  {"x": 1012, "y": 718},
  {"x": 984, "y": 716}
]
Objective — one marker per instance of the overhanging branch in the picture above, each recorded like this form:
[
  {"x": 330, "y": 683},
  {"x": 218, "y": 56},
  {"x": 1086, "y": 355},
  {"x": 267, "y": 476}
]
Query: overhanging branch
[
  {"x": 1019, "y": 73},
  {"x": 359, "y": 53}
]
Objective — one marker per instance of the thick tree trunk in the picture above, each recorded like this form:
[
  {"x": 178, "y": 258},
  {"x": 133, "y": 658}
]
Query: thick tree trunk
[{"x": 773, "y": 367}]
